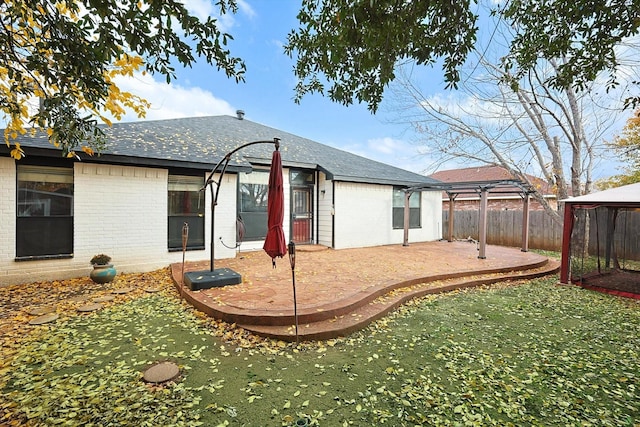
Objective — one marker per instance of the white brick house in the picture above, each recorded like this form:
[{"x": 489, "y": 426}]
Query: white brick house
[{"x": 131, "y": 201}]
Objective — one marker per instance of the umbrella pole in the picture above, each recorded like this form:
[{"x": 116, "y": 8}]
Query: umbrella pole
[
  {"x": 207, "y": 279},
  {"x": 295, "y": 305},
  {"x": 223, "y": 163},
  {"x": 292, "y": 260},
  {"x": 213, "y": 222}
]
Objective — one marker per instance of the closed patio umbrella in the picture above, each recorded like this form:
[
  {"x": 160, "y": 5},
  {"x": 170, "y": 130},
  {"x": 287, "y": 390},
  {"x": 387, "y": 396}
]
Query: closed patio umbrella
[{"x": 275, "y": 244}]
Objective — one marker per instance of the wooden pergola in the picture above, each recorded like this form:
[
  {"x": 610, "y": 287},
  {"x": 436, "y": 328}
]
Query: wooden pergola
[{"x": 481, "y": 189}]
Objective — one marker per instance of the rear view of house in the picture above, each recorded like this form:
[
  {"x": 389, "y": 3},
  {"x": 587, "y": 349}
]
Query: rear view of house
[{"x": 132, "y": 201}]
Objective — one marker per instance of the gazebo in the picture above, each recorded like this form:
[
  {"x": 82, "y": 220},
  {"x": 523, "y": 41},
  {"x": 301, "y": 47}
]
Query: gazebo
[{"x": 600, "y": 244}]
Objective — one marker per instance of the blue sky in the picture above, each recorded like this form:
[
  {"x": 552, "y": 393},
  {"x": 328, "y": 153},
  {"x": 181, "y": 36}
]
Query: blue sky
[{"x": 260, "y": 30}]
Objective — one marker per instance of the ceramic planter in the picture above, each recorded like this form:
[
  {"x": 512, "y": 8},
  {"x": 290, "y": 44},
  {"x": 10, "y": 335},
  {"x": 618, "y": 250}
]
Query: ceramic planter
[{"x": 103, "y": 273}]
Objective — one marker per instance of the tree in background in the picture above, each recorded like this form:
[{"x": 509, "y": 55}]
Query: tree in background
[
  {"x": 354, "y": 45},
  {"x": 532, "y": 108},
  {"x": 64, "y": 56},
  {"x": 627, "y": 146},
  {"x": 350, "y": 49},
  {"x": 532, "y": 131},
  {"x": 584, "y": 34},
  {"x": 528, "y": 127}
]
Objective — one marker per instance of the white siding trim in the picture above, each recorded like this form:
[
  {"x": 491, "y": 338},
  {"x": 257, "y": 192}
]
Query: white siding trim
[
  {"x": 325, "y": 209},
  {"x": 364, "y": 216}
]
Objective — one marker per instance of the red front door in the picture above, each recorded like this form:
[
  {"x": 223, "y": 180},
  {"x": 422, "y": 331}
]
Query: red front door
[{"x": 302, "y": 215}]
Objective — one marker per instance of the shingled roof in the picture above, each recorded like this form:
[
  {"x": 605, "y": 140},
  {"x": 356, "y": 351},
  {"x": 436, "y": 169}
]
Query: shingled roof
[
  {"x": 200, "y": 142},
  {"x": 487, "y": 173}
]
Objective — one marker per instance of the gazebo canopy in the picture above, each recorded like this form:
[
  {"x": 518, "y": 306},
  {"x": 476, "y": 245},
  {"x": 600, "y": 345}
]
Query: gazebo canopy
[
  {"x": 601, "y": 229},
  {"x": 627, "y": 195}
]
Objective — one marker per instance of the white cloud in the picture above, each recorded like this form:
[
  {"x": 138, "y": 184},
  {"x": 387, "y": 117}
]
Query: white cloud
[
  {"x": 391, "y": 151},
  {"x": 246, "y": 8},
  {"x": 385, "y": 145},
  {"x": 172, "y": 101},
  {"x": 204, "y": 9}
]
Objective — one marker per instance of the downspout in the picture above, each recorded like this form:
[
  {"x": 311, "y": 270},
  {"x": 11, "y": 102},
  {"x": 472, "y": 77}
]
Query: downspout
[
  {"x": 333, "y": 214},
  {"x": 317, "y": 208}
]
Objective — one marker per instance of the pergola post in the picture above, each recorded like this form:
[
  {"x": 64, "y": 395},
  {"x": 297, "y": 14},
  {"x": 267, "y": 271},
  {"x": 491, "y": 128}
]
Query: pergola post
[
  {"x": 452, "y": 199},
  {"x": 525, "y": 223},
  {"x": 407, "y": 211},
  {"x": 483, "y": 224},
  {"x": 454, "y": 189}
]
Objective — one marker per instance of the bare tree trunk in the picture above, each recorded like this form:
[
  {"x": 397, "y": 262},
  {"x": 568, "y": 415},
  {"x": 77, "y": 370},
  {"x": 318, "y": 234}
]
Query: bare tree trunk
[{"x": 526, "y": 127}]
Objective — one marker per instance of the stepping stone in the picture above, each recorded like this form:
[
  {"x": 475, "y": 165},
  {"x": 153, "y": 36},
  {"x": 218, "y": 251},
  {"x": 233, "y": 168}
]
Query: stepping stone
[
  {"x": 121, "y": 291},
  {"x": 46, "y": 318},
  {"x": 105, "y": 298},
  {"x": 152, "y": 290},
  {"x": 38, "y": 311},
  {"x": 79, "y": 298},
  {"x": 89, "y": 307},
  {"x": 161, "y": 372}
]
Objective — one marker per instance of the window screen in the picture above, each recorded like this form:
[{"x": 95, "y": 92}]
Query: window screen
[
  {"x": 44, "y": 223},
  {"x": 186, "y": 204},
  {"x": 398, "y": 208},
  {"x": 253, "y": 189}
]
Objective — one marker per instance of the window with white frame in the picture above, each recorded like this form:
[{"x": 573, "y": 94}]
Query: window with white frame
[
  {"x": 253, "y": 190},
  {"x": 186, "y": 205},
  {"x": 44, "y": 219},
  {"x": 398, "y": 208}
]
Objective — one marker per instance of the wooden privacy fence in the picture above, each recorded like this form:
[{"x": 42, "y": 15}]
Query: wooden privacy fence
[
  {"x": 625, "y": 237},
  {"x": 504, "y": 228}
]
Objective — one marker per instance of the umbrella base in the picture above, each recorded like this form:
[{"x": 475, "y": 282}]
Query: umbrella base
[{"x": 197, "y": 280}]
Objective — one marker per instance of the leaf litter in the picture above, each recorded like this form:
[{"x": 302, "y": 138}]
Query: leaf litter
[{"x": 509, "y": 354}]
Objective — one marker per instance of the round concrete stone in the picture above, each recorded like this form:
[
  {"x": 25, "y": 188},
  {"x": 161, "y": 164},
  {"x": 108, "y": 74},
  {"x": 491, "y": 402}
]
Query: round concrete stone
[
  {"x": 38, "y": 311},
  {"x": 45, "y": 318},
  {"x": 121, "y": 291},
  {"x": 161, "y": 372},
  {"x": 152, "y": 290},
  {"x": 79, "y": 298},
  {"x": 90, "y": 307},
  {"x": 105, "y": 298}
]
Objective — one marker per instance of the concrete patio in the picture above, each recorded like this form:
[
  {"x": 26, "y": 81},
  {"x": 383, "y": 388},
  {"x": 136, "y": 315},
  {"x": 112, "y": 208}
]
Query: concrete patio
[{"x": 341, "y": 291}]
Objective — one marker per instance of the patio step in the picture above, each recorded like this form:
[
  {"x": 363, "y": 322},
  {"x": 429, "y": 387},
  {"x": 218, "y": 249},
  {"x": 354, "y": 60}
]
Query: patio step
[
  {"x": 357, "y": 316},
  {"x": 258, "y": 314}
]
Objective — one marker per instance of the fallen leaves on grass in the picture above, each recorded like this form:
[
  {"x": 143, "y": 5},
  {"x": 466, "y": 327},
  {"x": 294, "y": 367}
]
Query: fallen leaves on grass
[
  {"x": 510, "y": 354},
  {"x": 87, "y": 369}
]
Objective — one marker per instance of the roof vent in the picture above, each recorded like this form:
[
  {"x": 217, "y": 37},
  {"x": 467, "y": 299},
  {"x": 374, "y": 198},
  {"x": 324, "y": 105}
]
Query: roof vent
[{"x": 240, "y": 114}]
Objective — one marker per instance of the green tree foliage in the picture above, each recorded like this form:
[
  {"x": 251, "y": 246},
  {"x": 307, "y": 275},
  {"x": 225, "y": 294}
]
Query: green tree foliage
[
  {"x": 67, "y": 54},
  {"x": 354, "y": 46},
  {"x": 627, "y": 146},
  {"x": 583, "y": 33}
]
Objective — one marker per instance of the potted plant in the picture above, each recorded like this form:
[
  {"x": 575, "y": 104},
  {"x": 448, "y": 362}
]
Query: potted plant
[{"x": 103, "y": 271}]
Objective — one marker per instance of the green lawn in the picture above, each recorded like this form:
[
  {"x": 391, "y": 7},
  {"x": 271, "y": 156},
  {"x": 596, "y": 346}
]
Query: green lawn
[{"x": 530, "y": 354}]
